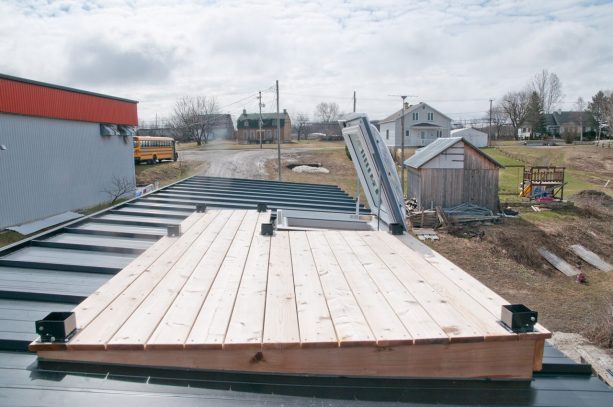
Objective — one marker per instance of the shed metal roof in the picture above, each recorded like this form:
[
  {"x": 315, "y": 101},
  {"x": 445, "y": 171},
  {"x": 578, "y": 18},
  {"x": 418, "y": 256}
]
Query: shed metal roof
[{"x": 437, "y": 147}]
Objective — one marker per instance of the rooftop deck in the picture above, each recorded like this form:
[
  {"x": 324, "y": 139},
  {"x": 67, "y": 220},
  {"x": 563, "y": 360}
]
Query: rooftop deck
[{"x": 362, "y": 303}]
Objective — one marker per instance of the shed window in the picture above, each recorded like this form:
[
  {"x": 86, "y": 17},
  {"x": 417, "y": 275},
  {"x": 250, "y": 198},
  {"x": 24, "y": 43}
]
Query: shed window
[{"x": 387, "y": 134}]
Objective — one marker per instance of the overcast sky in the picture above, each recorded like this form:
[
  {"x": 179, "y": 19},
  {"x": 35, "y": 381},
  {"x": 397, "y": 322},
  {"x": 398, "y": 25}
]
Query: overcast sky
[{"x": 454, "y": 55}]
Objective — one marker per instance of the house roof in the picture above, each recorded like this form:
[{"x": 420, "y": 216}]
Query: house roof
[
  {"x": 562, "y": 118},
  {"x": 438, "y": 146},
  {"x": 396, "y": 115},
  {"x": 55, "y": 279}
]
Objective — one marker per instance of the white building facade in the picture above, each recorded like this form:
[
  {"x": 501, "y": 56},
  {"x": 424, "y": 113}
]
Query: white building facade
[{"x": 422, "y": 125}]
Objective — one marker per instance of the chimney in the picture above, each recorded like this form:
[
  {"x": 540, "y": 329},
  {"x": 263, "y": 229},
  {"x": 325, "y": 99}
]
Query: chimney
[
  {"x": 285, "y": 111},
  {"x": 406, "y": 105},
  {"x": 245, "y": 111}
]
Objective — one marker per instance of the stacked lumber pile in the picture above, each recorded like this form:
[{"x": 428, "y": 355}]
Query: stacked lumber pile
[{"x": 467, "y": 212}]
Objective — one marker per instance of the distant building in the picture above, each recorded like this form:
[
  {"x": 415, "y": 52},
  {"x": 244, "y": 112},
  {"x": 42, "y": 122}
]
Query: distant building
[
  {"x": 451, "y": 171},
  {"x": 475, "y": 137},
  {"x": 248, "y": 127},
  {"x": 61, "y": 148},
  {"x": 422, "y": 125},
  {"x": 221, "y": 127},
  {"x": 561, "y": 124}
]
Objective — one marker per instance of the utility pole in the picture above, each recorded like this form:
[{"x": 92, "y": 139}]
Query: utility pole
[
  {"x": 489, "y": 130},
  {"x": 278, "y": 133},
  {"x": 402, "y": 148},
  {"x": 354, "y": 101},
  {"x": 260, "y": 119}
]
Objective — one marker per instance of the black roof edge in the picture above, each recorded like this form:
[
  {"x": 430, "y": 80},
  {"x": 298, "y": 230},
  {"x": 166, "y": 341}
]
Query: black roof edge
[
  {"x": 59, "y": 229},
  {"x": 66, "y": 88}
]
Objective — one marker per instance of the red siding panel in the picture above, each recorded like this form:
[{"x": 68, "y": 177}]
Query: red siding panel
[{"x": 36, "y": 100}]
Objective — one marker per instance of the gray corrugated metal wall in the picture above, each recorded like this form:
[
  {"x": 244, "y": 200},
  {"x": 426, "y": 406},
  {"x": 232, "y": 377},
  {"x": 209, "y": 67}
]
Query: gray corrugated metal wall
[{"x": 52, "y": 166}]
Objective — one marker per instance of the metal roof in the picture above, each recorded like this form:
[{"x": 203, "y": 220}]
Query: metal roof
[
  {"x": 57, "y": 269},
  {"x": 438, "y": 146},
  {"x": 24, "y": 381}
]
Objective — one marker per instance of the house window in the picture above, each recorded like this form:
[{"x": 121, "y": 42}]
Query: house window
[
  {"x": 430, "y": 116},
  {"x": 387, "y": 134},
  {"x": 423, "y": 135},
  {"x": 406, "y": 133},
  {"x": 415, "y": 115}
]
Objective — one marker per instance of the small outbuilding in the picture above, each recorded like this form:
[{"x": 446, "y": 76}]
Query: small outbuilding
[
  {"x": 473, "y": 136},
  {"x": 451, "y": 171}
]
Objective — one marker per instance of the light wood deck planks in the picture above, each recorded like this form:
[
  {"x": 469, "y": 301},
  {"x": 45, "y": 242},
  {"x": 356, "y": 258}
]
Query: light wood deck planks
[{"x": 224, "y": 288}]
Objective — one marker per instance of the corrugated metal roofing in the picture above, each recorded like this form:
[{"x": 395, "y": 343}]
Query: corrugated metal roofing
[
  {"x": 438, "y": 146},
  {"x": 59, "y": 268},
  {"x": 31, "y": 98},
  {"x": 90, "y": 250}
]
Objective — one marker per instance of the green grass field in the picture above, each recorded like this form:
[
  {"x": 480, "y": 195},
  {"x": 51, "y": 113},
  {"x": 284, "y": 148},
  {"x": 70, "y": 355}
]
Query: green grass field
[{"x": 585, "y": 167}]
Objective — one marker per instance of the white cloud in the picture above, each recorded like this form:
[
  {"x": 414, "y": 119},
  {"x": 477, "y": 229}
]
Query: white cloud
[{"x": 455, "y": 55}]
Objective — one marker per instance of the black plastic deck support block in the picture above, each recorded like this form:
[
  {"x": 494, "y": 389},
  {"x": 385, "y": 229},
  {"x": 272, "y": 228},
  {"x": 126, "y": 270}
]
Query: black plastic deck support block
[
  {"x": 267, "y": 229},
  {"x": 56, "y": 326},
  {"x": 396, "y": 228},
  {"x": 518, "y": 318},
  {"x": 262, "y": 207},
  {"x": 173, "y": 230},
  {"x": 201, "y": 207}
]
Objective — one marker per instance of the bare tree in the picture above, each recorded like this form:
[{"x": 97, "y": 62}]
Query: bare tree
[
  {"x": 515, "y": 106},
  {"x": 327, "y": 112},
  {"x": 301, "y": 122},
  {"x": 549, "y": 89},
  {"x": 195, "y": 117},
  {"x": 119, "y": 187}
]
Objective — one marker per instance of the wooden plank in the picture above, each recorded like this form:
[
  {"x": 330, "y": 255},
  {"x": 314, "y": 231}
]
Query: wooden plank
[
  {"x": 176, "y": 325},
  {"x": 138, "y": 328},
  {"x": 104, "y": 326},
  {"x": 349, "y": 321},
  {"x": 385, "y": 324},
  {"x": 281, "y": 319},
  {"x": 314, "y": 318},
  {"x": 496, "y": 360},
  {"x": 211, "y": 324},
  {"x": 477, "y": 315},
  {"x": 415, "y": 318},
  {"x": 247, "y": 322},
  {"x": 103, "y": 296},
  {"x": 479, "y": 291},
  {"x": 558, "y": 263},
  {"x": 443, "y": 313},
  {"x": 591, "y": 258}
]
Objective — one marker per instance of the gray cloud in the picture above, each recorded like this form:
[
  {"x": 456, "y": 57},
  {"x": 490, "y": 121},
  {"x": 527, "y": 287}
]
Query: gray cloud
[{"x": 97, "y": 62}]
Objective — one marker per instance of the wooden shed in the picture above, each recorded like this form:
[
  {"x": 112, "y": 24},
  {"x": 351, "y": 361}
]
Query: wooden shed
[{"x": 451, "y": 171}]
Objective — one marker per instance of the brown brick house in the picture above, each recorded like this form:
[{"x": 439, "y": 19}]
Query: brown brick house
[{"x": 248, "y": 127}]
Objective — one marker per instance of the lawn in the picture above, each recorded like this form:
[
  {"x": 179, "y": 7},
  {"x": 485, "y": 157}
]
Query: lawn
[{"x": 587, "y": 166}]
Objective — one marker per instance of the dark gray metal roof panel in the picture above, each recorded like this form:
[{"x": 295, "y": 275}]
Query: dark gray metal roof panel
[
  {"x": 70, "y": 257},
  {"x": 23, "y": 382},
  {"x": 146, "y": 230},
  {"x": 103, "y": 241}
]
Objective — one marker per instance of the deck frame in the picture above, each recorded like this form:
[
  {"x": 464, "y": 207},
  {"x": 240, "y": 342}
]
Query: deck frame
[{"x": 360, "y": 303}]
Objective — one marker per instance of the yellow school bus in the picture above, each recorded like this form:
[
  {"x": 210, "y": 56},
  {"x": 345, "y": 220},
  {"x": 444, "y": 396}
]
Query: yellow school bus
[{"x": 154, "y": 149}]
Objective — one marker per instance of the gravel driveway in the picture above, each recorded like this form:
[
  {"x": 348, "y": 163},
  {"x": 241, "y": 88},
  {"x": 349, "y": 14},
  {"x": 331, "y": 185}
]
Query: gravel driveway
[{"x": 238, "y": 163}]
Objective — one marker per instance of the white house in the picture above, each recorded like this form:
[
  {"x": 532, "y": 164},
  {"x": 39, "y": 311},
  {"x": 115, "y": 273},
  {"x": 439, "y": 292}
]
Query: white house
[
  {"x": 422, "y": 125},
  {"x": 473, "y": 136}
]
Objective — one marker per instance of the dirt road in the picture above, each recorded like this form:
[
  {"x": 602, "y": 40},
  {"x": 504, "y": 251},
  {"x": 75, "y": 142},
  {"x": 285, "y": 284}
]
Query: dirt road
[{"x": 238, "y": 163}]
